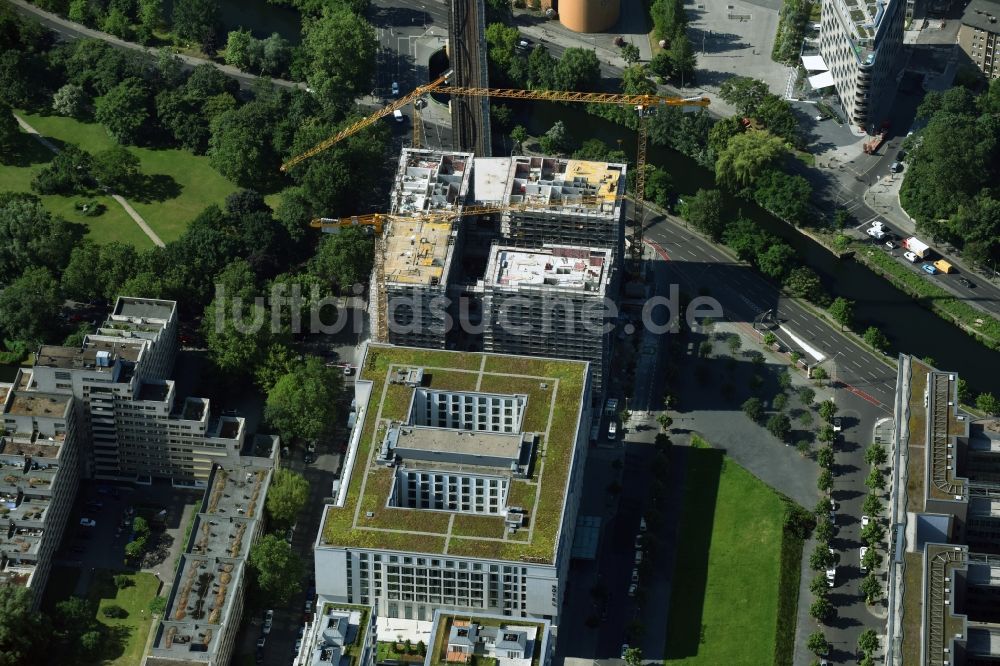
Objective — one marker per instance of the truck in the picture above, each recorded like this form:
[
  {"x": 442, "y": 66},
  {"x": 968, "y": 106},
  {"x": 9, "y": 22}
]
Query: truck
[
  {"x": 876, "y": 142},
  {"x": 916, "y": 246},
  {"x": 943, "y": 266}
]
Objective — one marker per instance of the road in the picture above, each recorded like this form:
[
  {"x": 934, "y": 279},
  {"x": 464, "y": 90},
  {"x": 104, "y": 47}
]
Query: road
[{"x": 67, "y": 29}]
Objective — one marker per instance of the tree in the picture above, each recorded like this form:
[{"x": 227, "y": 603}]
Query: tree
[
  {"x": 826, "y": 433},
  {"x": 29, "y": 236},
  {"x": 91, "y": 642},
  {"x": 339, "y": 48},
  {"x": 135, "y": 548},
  {"x": 988, "y": 403},
  {"x": 825, "y": 481},
  {"x": 556, "y": 139},
  {"x": 239, "y": 50},
  {"x": 116, "y": 168},
  {"x": 873, "y": 533},
  {"x": 140, "y": 526},
  {"x": 704, "y": 210},
  {"x": 240, "y": 151},
  {"x": 344, "y": 259},
  {"x": 236, "y": 340},
  {"x": 806, "y": 396},
  {"x": 116, "y": 23},
  {"x": 22, "y": 633},
  {"x": 29, "y": 305},
  {"x": 150, "y": 16},
  {"x": 780, "y": 426},
  {"x": 817, "y": 643},
  {"x": 502, "y": 42},
  {"x": 69, "y": 100},
  {"x": 871, "y": 588},
  {"x": 124, "y": 111},
  {"x": 196, "y": 20},
  {"x": 803, "y": 282},
  {"x": 275, "y": 55},
  {"x": 630, "y": 53},
  {"x": 114, "y": 611},
  {"x": 10, "y": 132},
  {"x": 659, "y": 186},
  {"x": 287, "y": 496},
  {"x": 819, "y": 374},
  {"x": 872, "y": 560},
  {"x": 785, "y": 195},
  {"x": 821, "y": 557},
  {"x": 825, "y": 457},
  {"x": 770, "y": 339},
  {"x": 876, "y": 339},
  {"x": 682, "y": 57},
  {"x": 754, "y": 409},
  {"x": 633, "y": 656},
  {"x": 776, "y": 260},
  {"x": 868, "y": 642},
  {"x": 746, "y": 157},
  {"x": 842, "y": 311},
  {"x": 875, "y": 455},
  {"x": 822, "y": 610},
  {"x": 818, "y": 585},
  {"x": 824, "y": 527},
  {"x": 519, "y": 135},
  {"x": 744, "y": 93},
  {"x": 827, "y": 410},
  {"x": 577, "y": 69},
  {"x": 68, "y": 172},
  {"x": 875, "y": 480},
  {"x": 277, "y": 569},
  {"x": 302, "y": 403},
  {"x": 872, "y": 506},
  {"x": 665, "y": 421}
]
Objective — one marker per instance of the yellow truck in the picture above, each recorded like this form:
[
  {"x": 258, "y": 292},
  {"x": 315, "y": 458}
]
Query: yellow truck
[{"x": 943, "y": 266}]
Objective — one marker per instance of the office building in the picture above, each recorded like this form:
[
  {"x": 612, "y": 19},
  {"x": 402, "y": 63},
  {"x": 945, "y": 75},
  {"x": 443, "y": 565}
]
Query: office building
[
  {"x": 468, "y": 638},
  {"x": 418, "y": 254},
  {"x": 39, "y": 475},
  {"x": 944, "y": 520},
  {"x": 550, "y": 302},
  {"x": 204, "y": 610},
  {"x": 446, "y": 499},
  {"x": 338, "y": 635},
  {"x": 861, "y": 42},
  {"x": 979, "y": 36},
  {"x": 137, "y": 426}
]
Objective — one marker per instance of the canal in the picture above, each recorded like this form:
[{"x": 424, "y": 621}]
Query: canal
[{"x": 910, "y": 327}]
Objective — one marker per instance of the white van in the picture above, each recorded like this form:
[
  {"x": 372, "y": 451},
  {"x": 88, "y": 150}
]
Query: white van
[
  {"x": 398, "y": 115},
  {"x": 612, "y": 430}
]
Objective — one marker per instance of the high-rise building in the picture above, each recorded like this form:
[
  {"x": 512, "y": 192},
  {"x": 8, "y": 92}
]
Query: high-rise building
[
  {"x": 136, "y": 426},
  {"x": 39, "y": 475},
  {"x": 550, "y": 302},
  {"x": 460, "y": 485},
  {"x": 861, "y": 44},
  {"x": 979, "y": 36},
  {"x": 204, "y": 609},
  {"x": 943, "y": 570}
]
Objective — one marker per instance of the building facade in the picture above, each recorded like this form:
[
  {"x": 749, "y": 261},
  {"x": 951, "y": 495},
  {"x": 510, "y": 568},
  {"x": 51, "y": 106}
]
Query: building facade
[
  {"x": 551, "y": 302},
  {"x": 979, "y": 36},
  {"x": 136, "y": 425},
  {"x": 39, "y": 476},
  {"x": 511, "y": 515},
  {"x": 339, "y": 635},
  {"x": 861, "y": 43}
]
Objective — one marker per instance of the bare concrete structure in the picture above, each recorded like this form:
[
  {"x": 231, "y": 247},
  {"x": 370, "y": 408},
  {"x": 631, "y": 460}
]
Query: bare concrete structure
[
  {"x": 979, "y": 36},
  {"x": 550, "y": 302},
  {"x": 470, "y": 116},
  {"x": 589, "y": 15},
  {"x": 944, "y": 526}
]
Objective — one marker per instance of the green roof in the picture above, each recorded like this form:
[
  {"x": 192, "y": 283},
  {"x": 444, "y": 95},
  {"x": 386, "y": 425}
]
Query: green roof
[{"x": 552, "y": 411}]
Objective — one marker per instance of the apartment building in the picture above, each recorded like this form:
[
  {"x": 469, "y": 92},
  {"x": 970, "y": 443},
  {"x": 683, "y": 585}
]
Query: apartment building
[
  {"x": 943, "y": 573},
  {"x": 136, "y": 426},
  {"x": 39, "y": 475},
  {"x": 204, "y": 610},
  {"x": 467, "y": 638},
  {"x": 418, "y": 254},
  {"x": 338, "y": 635},
  {"x": 550, "y": 302},
  {"x": 444, "y": 501},
  {"x": 979, "y": 36},
  {"x": 860, "y": 43}
]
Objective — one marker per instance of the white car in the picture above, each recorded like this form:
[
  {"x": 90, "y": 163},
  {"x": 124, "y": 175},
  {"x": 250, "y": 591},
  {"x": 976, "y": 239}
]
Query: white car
[
  {"x": 864, "y": 549},
  {"x": 624, "y": 649},
  {"x": 865, "y": 520},
  {"x": 876, "y": 233},
  {"x": 911, "y": 257},
  {"x": 631, "y": 589},
  {"x": 831, "y": 576},
  {"x": 612, "y": 430},
  {"x": 395, "y": 89},
  {"x": 88, "y": 522}
]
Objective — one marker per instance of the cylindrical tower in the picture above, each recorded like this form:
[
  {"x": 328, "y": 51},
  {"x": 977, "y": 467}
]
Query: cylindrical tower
[{"x": 589, "y": 15}]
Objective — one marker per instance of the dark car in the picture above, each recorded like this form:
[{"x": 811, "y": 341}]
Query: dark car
[{"x": 968, "y": 284}]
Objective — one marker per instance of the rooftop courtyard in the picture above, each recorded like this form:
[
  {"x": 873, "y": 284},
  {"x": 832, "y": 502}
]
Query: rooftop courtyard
[{"x": 553, "y": 409}]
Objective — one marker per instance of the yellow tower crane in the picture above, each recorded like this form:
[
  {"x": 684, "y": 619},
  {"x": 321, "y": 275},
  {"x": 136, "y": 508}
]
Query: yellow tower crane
[{"x": 643, "y": 104}]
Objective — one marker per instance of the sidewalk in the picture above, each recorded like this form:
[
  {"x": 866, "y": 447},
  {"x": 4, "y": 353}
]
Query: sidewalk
[{"x": 146, "y": 229}]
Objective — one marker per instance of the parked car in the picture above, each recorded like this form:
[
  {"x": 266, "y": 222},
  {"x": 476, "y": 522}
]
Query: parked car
[
  {"x": 261, "y": 642},
  {"x": 88, "y": 522},
  {"x": 929, "y": 269},
  {"x": 896, "y": 167},
  {"x": 309, "y": 606},
  {"x": 298, "y": 646},
  {"x": 348, "y": 370},
  {"x": 864, "y": 549},
  {"x": 865, "y": 520},
  {"x": 631, "y": 589},
  {"x": 642, "y": 524},
  {"x": 308, "y": 458},
  {"x": 395, "y": 89},
  {"x": 624, "y": 649},
  {"x": 831, "y": 576},
  {"x": 638, "y": 557},
  {"x": 268, "y": 621},
  {"x": 876, "y": 233},
  {"x": 838, "y": 425},
  {"x": 889, "y": 245},
  {"x": 911, "y": 257},
  {"x": 635, "y": 575},
  {"x": 612, "y": 430},
  {"x": 833, "y": 511},
  {"x": 638, "y": 541}
]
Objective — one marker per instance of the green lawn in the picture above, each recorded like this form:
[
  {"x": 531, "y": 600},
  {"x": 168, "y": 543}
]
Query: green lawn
[
  {"x": 725, "y": 602},
  {"x": 129, "y": 634},
  {"x": 112, "y": 224},
  {"x": 182, "y": 185}
]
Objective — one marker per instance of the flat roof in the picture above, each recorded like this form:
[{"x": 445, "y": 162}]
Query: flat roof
[
  {"x": 555, "y": 390},
  {"x": 145, "y": 308},
  {"x": 583, "y": 187},
  {"x": 417, "y": 251},
  {"x": 29, "y": 403},
  {"x": 70, "y": 358},
  {"x": 557, "y": 266},
  {"x": 448, "y": 440},
  {"x": 982, "y": 15},
  {"x": 537, "y": 634}
]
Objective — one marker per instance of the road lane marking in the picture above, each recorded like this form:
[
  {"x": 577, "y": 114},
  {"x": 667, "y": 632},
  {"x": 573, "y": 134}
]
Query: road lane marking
[{"x": 815, "y": 353}]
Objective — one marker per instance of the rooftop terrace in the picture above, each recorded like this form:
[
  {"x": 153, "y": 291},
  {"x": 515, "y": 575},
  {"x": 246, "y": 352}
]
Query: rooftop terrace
[
  {"x": 417, "y": 251},
  {"x": 592, "y": 188},
  {"x": 573, "y": 268},
  {"x": 459, "y": 626},
  {"x": 90, "y": 356},
  {"x": 37, "y": 404},
  {"x": 144, "y": 308},
  {"x": 554, "y": 391}
]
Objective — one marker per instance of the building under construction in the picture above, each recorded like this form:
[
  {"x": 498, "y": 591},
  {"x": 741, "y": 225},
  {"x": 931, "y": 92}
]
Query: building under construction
[
  {"x": 416, "y": 256},
  {"x": 550, "y": 302}
]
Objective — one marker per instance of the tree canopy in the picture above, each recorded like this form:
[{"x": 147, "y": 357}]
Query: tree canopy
[
  {"x": 340, "y": 50},
  {"x": 277, "y": 570},
  {"x": 287, "y": 496},
  {"x": 302, "y": 404}
]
